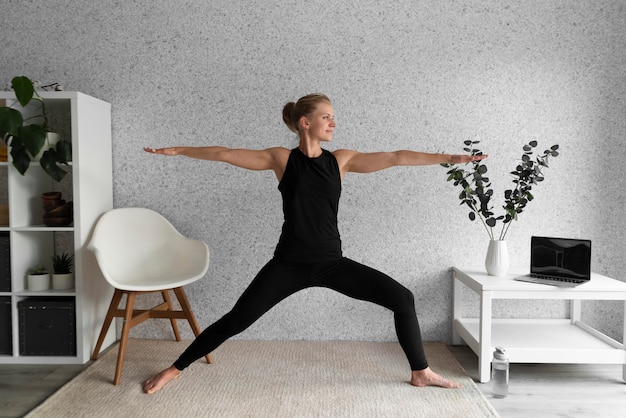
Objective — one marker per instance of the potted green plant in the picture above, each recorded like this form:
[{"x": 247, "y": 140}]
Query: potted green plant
[
  {"x": 27, "y": 136},
  {"x": 476, "y": 194},
  {"x": 38, "y": 278},
  {"x": 62, "y": 276}
]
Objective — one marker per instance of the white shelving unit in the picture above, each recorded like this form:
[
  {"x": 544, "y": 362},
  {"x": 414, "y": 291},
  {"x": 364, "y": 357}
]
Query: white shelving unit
[
  {"x": 535, "y": 340},
  {"x": 87, "y": 122}
]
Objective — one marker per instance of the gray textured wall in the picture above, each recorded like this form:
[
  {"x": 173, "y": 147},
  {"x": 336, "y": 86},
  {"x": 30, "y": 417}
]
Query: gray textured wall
[{"x": 423, "y": 75}]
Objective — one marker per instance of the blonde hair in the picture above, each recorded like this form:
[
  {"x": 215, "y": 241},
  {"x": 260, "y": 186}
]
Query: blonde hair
[{"x": 305, "y": 106}]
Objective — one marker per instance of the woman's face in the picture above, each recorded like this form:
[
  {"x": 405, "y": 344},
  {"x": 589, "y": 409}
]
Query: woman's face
[{"x": 321, "y": 124}]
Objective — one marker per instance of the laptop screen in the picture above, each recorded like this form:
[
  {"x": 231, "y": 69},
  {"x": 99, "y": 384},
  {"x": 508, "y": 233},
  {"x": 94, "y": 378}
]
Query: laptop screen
[{"x": 561, "y": 257}]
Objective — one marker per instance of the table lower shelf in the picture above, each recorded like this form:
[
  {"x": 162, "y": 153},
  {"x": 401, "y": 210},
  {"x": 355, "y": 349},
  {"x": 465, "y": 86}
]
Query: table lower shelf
[{"x": 544, "y": 341}]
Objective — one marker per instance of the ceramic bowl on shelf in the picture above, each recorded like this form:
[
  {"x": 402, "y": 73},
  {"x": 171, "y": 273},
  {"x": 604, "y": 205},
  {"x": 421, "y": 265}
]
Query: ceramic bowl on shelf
[
  {"x": 57, "y": 212},
  {"x": 51, "y": 196},
  {"x": 64, "y": 221},
  {"x": 63, "y": 211},
  {"x": 4, "y": 215},
  {"x": 51, "y": 204}
]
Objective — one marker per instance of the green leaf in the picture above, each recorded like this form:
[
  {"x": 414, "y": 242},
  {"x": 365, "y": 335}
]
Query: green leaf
[
  {"x": 64, "y": 151},
  {"x": 472, "y": 216},
  {"x": 21, "y": 159},
  {"x": 49, "y": 161},
  {"x": 533, "y": 143},
  {"x": 33, "y": 137},
  {"x": 491, "y": 222},
  {"x": 24, "y": 89},
  {"x": 10, "y": 121}
]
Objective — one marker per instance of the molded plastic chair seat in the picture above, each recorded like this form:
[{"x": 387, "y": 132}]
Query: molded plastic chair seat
[{"x": 140, "y": 251}]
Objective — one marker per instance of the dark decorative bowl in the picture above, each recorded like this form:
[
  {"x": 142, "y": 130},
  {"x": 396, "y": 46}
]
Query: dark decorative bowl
[{"x": 57, "y": 221}]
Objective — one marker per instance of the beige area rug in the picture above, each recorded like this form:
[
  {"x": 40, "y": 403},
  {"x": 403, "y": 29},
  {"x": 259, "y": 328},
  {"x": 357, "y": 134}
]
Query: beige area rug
[{"x": 269, "y": 379}]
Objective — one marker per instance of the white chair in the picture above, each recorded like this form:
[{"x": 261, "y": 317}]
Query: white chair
[{"x": 139, "y": 251}]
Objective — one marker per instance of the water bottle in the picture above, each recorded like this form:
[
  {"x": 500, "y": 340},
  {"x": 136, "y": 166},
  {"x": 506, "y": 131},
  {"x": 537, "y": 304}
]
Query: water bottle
[{"x": 500, "y": 373}]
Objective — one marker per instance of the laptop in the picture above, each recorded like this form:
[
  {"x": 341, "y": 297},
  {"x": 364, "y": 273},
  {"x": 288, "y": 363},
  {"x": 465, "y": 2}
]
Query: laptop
[{"x": 563, "y": 262}]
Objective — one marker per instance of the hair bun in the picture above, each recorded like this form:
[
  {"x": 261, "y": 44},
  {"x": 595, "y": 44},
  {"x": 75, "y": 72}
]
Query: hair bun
[
  {"x": 293, "y": 112},
  {"x": 288, "y": 116}
]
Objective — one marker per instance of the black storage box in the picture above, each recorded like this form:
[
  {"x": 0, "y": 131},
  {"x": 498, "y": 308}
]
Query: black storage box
[
  {"x": 6, "y": 334},
  {"x": 47, "y": 326},
  {"x": 5, "y": 262}
]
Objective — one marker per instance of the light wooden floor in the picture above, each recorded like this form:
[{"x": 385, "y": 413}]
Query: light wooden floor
[
  {"x": 23, "y": 387},
  {"x": 536, "y": 390},
  {"x": 554, "y": 390}
]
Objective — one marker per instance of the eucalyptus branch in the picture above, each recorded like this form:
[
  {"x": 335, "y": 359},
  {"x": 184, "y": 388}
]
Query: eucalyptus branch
[
  {"x": 478, "y": 197},
  {"x": 487, "y": 227}
]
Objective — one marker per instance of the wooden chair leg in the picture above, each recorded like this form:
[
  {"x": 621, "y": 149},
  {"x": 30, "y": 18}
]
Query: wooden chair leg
[
  {"x": 115, "y": 302},
  {"x": 193, "y": 323},
  {"x": 129, "y": 322},
  {"x": 166, "y": 299},
  {"x": 130, "y": 306}
]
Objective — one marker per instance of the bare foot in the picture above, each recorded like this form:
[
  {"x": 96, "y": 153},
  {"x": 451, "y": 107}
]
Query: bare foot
[
  {"x": 427, "y": 377},
  {"x": 156, "y": 382}
]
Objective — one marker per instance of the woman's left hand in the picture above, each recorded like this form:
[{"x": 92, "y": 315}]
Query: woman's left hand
[{"x": 461, "y": 159}]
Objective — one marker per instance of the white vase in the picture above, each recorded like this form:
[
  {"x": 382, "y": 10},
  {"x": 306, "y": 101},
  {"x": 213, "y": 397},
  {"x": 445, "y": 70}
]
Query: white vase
[
  {"x": 497, "y": 260},
  {"x": 63, "y": 281},
  {"x": 38, "y": 282}
]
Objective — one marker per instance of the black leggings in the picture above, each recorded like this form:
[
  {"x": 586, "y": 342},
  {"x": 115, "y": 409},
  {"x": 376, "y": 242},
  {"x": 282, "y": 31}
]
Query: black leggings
[{"x": 278, "y": 280}]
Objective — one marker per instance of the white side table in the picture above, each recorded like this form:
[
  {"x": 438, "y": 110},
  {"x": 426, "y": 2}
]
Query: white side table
[{"x": 535, "y": 340}]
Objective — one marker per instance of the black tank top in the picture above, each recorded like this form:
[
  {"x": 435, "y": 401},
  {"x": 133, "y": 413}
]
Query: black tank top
[{"x": 311, "y": 188}]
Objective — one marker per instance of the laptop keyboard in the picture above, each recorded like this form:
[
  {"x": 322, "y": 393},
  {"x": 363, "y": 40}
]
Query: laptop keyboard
[{"x": 557, "y": 279}]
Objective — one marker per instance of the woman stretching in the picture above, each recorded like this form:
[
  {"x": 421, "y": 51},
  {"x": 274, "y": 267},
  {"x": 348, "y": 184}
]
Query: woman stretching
[{"x": 309, "y": 249}]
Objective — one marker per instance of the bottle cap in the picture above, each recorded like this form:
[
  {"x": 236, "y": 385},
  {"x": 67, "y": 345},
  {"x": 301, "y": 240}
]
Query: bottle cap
[{"x": 500, "y": 353}]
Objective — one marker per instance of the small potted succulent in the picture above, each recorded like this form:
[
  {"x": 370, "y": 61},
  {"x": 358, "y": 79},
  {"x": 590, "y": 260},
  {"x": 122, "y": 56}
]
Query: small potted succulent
[
  {"x": 29, "y": 136},
  {"x": 38, "y": 278},
  {"x": 62, "y": 276}
]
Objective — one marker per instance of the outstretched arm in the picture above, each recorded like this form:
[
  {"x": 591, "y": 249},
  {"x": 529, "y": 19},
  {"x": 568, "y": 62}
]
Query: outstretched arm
[
  {"x": 267, "y": 159},
  {"x": 359, "y": 162}
]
